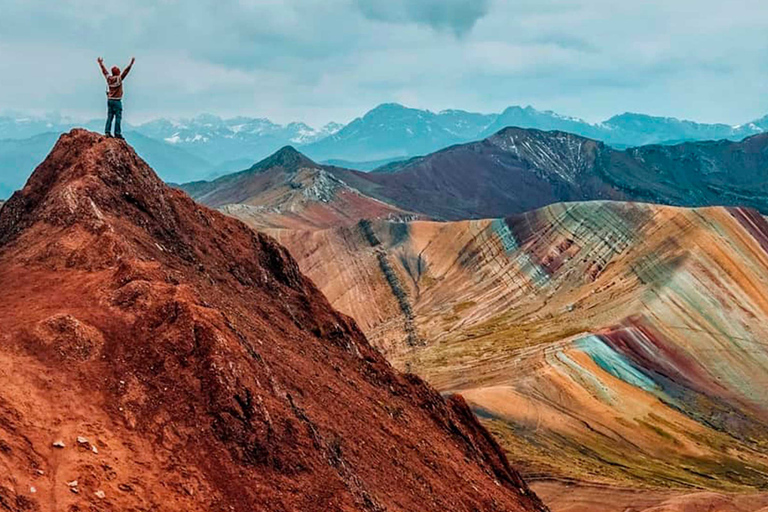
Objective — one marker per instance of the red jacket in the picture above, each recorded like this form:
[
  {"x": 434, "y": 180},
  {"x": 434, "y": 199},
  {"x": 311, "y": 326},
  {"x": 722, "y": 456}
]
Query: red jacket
[
  {"x": 115, "y": 82},
  {"x": 114, "y": 87}
]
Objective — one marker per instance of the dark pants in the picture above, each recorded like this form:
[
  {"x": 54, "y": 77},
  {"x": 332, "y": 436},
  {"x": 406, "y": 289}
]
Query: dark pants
[{"x": 114, "y": 111}]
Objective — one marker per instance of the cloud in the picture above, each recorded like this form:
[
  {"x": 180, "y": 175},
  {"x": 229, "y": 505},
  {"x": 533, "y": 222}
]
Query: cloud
[
  {"x": 457, "y": 16},
  {"x": 322, "y": 60}
]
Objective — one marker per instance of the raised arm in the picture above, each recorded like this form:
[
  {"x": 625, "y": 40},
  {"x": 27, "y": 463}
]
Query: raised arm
[
  {"x": 101, "y": 65},
  {"x": 128, "y": 68}
]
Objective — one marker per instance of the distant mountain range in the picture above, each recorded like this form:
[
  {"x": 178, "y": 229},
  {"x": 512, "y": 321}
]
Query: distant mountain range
[
  {"x": 207, "y": 146},
  {"x": 626, "y": 130},
  {"x": 390, "y": 131},
  {"x": 518, "y": 170},
  {"x": 224, "y": 140}
]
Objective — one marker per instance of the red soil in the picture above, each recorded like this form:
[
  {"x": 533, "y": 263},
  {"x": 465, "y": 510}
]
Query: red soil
[{"x": 202, "y": 369}]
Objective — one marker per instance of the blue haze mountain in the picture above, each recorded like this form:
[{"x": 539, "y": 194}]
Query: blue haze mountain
[{"x": 207, "y": 146}]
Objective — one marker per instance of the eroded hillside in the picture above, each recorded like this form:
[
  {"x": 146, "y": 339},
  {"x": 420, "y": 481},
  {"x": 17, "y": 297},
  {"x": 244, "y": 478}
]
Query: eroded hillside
[{"x": 627, "y": 338}]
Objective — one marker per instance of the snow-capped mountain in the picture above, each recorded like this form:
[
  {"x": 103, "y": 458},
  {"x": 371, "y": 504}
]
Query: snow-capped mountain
[
  {"x": 207, "y": 146},
  {"x": 625, "y": 130},
  {"x": 220, "y": 140},
  {"x": 392, "y": 130},
  {"x": 206, "y": 128},
  {"x": 529, "y": 117},
  {"x": 18, "y": 126}
]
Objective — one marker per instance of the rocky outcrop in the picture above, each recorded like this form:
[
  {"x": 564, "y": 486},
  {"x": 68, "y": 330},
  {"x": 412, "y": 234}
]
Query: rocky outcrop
[{"x": 390, "y": 275}]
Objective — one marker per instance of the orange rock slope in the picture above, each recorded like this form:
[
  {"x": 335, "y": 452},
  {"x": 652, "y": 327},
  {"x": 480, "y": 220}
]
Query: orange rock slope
[
  {"x": 628, "y": 339},
  {"x": 157, "y": 355}
]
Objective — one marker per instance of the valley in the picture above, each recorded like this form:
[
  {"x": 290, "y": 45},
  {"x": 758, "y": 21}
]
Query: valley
[{"x": 625, "y": 338}]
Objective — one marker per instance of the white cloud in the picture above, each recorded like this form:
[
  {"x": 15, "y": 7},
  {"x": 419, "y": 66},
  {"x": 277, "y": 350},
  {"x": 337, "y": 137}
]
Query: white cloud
[
  {"x": 458, "y": 16},
  {"x": 332, "y": 59}
]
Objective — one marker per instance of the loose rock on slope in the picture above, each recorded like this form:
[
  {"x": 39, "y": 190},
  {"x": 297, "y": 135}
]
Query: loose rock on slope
[{"x": 209, "y": 372}]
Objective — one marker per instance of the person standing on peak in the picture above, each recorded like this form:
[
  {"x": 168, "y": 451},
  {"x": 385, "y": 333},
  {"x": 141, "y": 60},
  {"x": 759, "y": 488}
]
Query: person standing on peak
[{"x": 115, "y": 96}]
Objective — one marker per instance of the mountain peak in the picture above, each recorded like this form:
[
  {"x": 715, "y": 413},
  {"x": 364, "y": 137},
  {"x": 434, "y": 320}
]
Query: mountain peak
[
  {"x": 287, "y": 158},
  {"x": 389, "y": 109},
  {"x": 389, "y": 106},
  {"x": 287, "y": 152},
  {"x": 518, "y": 133},
  {"x": 94, "y": 203},
  {"x": 84, "y": 174},
  {"x": 635, "y": 117}
]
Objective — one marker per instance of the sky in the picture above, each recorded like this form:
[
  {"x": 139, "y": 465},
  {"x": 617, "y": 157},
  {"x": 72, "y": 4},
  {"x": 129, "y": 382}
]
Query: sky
[{"x": 332, "y": 60}]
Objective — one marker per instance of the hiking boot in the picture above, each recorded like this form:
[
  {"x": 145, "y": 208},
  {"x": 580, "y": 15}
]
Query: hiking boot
[
  {"x": 108, "y": 135},
  {"x": 119, "y": 137}
]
